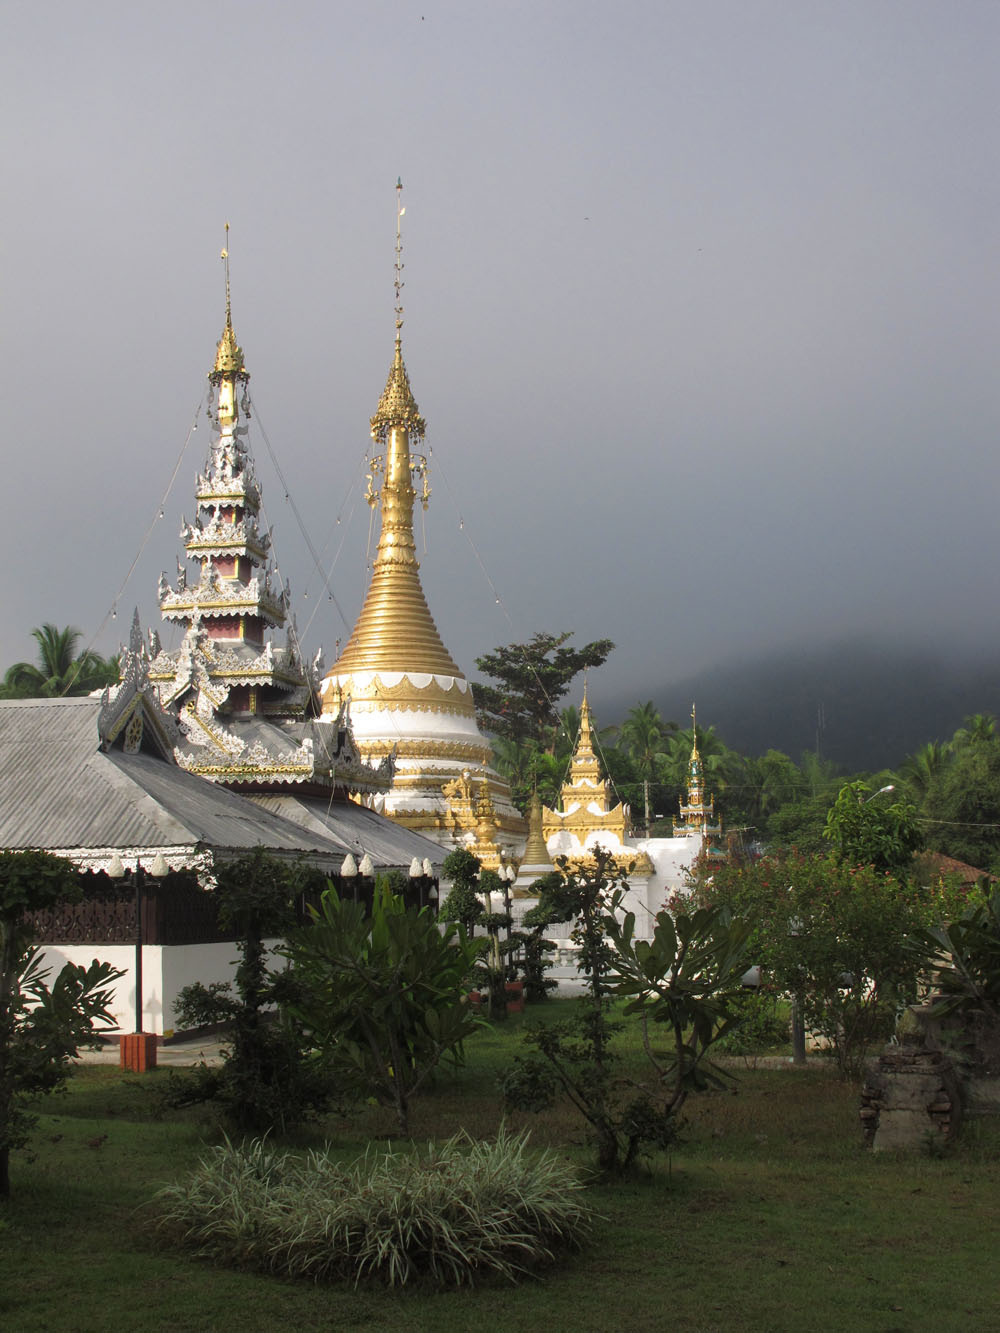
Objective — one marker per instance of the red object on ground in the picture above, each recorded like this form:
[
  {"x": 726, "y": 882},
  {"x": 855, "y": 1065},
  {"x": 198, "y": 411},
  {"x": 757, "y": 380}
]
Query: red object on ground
[{"x": 137, "y": 1051}]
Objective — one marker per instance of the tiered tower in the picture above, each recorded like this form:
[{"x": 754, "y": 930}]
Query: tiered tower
[
  {"x": 698, "y": 814},
  {"x": 407, "y": 696},
  {"x": 248, "y": 710}
]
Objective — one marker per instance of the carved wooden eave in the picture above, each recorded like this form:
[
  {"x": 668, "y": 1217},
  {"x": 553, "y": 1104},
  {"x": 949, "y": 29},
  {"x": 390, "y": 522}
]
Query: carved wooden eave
[
  {"x": 627, "y": 862},
  {"x": 222, "y": 538},
  {"x": 213, "y": 597},
  {"x": 131, "y": 709},
  {"x": 176, "y": 672}
]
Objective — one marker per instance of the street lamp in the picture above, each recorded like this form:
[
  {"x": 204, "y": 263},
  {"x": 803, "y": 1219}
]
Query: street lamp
[
  {"x": 349, "y": 870},
  {"x": 139, "y": 1052},
  {"x": 881, "y": 792},
  {"x": 416, "y": 880}
]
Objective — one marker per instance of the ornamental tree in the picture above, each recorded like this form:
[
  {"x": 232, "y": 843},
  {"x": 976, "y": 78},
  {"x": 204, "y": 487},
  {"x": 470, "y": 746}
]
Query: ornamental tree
[
  {"x": 382, "y": 997},
  {"x": 266, "y": 1081},
  {"x": 681, "y": 979},
  {"x": 531, "y": 678},
  {"x": 833, "y": 936}
]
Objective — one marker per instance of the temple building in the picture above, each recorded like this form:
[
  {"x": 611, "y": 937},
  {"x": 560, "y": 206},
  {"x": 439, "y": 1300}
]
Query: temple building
[
  {"x": 248, "y": 712},
  {"x": 408, "y": 698},
  {"x": 95, "y": 780},
  {"x": 589, "y": 816}
]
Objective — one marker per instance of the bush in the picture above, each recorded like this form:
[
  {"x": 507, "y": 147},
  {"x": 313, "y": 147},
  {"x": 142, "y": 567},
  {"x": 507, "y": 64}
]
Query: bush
[
  {"x": 269, "y": 1078},
  {"x": 760, "y": 1024},
  {"x": 457, "y": 1213}
]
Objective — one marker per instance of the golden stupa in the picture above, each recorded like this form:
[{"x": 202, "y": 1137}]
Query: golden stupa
[{"x": 406, "y": 694}]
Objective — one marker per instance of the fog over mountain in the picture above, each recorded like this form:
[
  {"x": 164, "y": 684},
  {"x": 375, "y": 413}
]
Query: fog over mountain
[{"x": 862, "y": 703}]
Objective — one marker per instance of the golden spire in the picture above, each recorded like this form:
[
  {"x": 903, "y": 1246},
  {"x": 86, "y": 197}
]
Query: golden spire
[
  {"x": 229, "y": 354},
  {"x": 584, "y": 765},
  {"x": 397, "y": 406},
  {"x": 694, "y": 768},
  {"x": 395, "y": 631},
  {"x": 536, "y": 853}
]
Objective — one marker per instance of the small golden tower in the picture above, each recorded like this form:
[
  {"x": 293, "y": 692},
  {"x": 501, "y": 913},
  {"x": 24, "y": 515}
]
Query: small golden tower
[
  {"x": 697, "y": 815},
  {"x": 588, "y": 816}
]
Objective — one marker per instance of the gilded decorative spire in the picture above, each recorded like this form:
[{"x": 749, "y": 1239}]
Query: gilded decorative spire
[
  {"x": 229, "y": 354},
  {"x": 395, "y": 630},
  {"x": 230, "y": 369},
  {"x": 697, "y": 814},
  {"x": 397, "y": 407},
  {"x": 585, "y": 766},
  {"x": 536, "y": 853}
]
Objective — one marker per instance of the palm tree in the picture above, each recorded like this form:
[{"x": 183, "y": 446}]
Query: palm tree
[
  {"x": 769, "y": 781},
  {"x": 58, "y": 671},
  {"x": 643, "y": 734},
  {"x": 978, "y": 729},
  {"x": 919, "y": 769}
]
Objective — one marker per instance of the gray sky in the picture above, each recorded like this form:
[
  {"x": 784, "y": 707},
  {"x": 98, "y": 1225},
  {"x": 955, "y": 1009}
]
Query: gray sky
[{"x": 701, "y": 309}]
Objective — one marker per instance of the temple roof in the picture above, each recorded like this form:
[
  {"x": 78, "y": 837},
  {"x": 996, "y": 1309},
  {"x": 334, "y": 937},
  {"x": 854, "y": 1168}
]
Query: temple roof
[{"x": 60, "y": 790}]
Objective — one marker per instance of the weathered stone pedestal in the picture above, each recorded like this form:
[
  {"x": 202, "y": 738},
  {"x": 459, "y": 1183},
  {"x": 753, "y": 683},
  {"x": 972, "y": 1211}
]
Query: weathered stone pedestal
[
  {"x": 911, "y": 1098},
  {"x": 137, "y": 1051}
]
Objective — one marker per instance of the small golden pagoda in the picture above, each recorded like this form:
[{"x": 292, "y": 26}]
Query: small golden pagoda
[
  {"x": 697, "y": 814},
  {"x": 407, "y": 696},
  {"x": 535, "y": 862},
  {"x": 587, "y": 817}
]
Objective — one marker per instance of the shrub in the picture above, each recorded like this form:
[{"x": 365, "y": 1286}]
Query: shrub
[
  {"x": 682, "y": 979},
  {"x": 458, "y": 1212},
  {"x": 269, "y": 1078},
  {"x": 381, "y": 997},
  {"x": 760, "y": 1023}
]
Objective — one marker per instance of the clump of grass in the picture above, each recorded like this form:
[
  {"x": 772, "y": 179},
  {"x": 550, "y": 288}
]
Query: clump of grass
[{"x": 450, "y": 1215}]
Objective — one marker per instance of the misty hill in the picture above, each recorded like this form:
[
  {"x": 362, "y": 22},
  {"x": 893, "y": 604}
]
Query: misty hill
[{"x": 866, "y": 705}]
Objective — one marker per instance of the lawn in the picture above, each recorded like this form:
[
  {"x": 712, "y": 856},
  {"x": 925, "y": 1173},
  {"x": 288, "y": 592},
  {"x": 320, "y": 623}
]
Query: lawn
[{"x": 769, "y": 1216}]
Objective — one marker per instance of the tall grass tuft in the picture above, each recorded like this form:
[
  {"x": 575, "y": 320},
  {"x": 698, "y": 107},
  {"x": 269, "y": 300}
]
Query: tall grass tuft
[{"x": 450, "y": 1215}]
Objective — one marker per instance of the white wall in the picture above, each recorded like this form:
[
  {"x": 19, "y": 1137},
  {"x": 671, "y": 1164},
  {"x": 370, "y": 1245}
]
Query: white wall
[{"x": 166, "y": 969}]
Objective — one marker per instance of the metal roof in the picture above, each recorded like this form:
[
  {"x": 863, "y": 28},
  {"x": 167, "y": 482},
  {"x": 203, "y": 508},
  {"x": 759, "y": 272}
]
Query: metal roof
[
  {"x": 355, "y": 829},
  {"x": 58, "y": 789}
]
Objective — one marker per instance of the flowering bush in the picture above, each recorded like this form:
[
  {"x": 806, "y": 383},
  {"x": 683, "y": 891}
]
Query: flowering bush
[{"x": 832, "y": 936}]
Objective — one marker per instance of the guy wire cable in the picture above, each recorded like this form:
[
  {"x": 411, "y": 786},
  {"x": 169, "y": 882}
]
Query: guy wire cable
[
  {"x": 295, "y": 511},
  {"x": 112, "y": 611}
]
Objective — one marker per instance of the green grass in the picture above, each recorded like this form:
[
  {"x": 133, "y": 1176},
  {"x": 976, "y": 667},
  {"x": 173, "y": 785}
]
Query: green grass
[{"x": 769, "y": 1216}]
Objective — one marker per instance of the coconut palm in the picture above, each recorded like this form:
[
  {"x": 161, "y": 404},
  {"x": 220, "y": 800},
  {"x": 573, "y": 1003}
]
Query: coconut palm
[
  {"x": 978, "y": 729},
  {"x": 58, "y": 670},
  {"x": 918, "y": 770},
  {"x": 643, "y": 737},
  {"x": 767, "y": 782}
]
